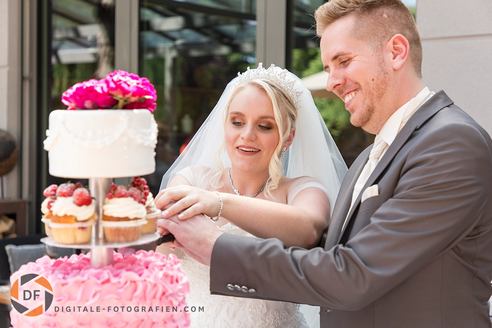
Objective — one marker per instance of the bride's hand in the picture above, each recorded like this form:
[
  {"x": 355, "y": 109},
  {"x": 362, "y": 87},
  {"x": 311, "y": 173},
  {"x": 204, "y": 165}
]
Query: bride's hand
[
  {"x": 187, "y": 201},
  {"x": 196, "y": 237}
]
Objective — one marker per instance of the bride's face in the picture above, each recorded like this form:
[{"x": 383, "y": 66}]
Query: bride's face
[{"x": 251, "y": 133}]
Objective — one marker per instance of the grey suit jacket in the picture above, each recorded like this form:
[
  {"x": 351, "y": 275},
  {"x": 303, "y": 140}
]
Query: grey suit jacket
[{"x": 417, "y": 255}]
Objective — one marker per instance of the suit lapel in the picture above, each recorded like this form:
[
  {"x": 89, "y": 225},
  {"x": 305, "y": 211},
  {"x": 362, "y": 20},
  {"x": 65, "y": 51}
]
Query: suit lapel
[
  {"x": 424, "y": 113},
  {"x": 344, "y": 198}
]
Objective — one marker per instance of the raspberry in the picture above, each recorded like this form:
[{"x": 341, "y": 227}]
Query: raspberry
[
  {"x": 50, "y": 191},
  {"x": 136, "y": 182},
  {"x": 112, "y": 187},
  {"x": 79, "y": 185},
  {"x": 81, "y": 197},
  {"x": 121, "y": 192},
  {"x": 65, "y": 190},
  {"x": 135, "y": 194},
  {"x": 50, "y": 203}
]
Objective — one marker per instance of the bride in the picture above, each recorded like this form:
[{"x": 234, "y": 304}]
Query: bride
[{"x": 263, "y": 164}]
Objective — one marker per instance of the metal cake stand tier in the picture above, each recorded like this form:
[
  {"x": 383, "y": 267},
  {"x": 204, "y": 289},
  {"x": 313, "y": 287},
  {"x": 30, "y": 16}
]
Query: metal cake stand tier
[{"x": 101, "y": 251}]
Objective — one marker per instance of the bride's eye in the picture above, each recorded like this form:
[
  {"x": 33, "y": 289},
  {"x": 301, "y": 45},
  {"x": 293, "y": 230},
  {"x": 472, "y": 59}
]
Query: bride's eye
[
  {"x": 265, "y": 128},
  {"x": 236, "y": 123}
]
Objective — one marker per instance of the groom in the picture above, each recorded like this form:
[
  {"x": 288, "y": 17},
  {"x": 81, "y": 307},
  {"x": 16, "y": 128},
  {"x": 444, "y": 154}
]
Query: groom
[{"x": 410, "y": 240}]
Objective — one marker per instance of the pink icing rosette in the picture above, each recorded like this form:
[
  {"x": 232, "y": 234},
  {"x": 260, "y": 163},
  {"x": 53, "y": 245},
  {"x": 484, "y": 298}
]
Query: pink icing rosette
[{"x": 124, "y": 292}]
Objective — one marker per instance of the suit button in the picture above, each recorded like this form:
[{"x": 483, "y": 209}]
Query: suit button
[
  {"x": 252, "y": 290},
  {"x": 230, "y": 287},
  {"x": 328, "y": 310},
  {"x": 237, "y": 287},
  {"x": 244, "y": 289}
]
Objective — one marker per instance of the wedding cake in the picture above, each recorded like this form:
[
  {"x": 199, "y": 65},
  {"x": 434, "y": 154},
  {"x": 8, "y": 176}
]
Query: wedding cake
[
  {"x": 101, "y": 143},
  {"x": 86, "y": 141},
  {"x": 141, "y": 290}
]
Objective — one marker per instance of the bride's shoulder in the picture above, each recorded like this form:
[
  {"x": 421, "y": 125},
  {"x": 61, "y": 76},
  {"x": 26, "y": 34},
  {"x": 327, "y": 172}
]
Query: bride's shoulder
[
  {"x": 288, "y": 182},
  {"x": 289, "y": 187}
]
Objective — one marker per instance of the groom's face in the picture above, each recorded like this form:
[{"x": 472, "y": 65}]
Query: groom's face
[{"x": 359, "y": 74}]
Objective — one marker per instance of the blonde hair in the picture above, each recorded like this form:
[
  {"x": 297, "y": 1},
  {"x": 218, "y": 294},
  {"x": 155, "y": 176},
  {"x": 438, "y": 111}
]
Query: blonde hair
[
  {"x": 285, "y": 114},
  {"x": 377, "y": 22}
]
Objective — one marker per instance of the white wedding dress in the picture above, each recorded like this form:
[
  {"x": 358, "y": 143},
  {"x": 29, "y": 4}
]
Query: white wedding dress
[{"x": 234, "y": 312}]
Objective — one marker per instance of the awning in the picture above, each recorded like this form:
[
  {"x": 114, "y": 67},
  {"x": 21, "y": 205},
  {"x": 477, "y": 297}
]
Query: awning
[{"x": 316, "y": 83}]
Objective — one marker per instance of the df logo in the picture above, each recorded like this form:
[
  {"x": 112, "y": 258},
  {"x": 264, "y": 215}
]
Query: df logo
[{"x": 27, "y": 295}]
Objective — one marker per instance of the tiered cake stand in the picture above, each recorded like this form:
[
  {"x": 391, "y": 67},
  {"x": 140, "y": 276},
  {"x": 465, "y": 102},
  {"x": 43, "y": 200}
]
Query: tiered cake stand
[
  {"x": 84, "y": 143},
  {"x": 101, "y": 251}
]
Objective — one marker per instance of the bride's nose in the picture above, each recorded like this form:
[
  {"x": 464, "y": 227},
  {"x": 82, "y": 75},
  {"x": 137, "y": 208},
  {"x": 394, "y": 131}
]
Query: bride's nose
[{"x": 248, "y": 133}]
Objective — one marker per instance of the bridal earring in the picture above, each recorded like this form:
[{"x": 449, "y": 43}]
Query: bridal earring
[{"x": 282, "y": 153}]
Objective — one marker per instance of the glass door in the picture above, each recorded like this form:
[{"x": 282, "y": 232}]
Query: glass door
[{"x": 190, "y": 51}]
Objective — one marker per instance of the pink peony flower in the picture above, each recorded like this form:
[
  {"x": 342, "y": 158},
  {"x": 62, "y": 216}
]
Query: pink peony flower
[
  {"x": 131, "y": 91},
  {"x": 92, "y": 94},
  {"x": 120, "y": 90}
]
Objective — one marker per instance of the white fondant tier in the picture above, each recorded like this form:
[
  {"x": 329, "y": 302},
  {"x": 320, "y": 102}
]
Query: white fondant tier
[{"x": 101, "y": 143}]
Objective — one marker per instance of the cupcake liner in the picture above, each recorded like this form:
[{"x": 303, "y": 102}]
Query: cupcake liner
[
  {"x": 47, "y": 228},
  {"x": 122, "y": 231},
  {"x": 72, "y": 233},
  {"x": 150, "y": 226}
]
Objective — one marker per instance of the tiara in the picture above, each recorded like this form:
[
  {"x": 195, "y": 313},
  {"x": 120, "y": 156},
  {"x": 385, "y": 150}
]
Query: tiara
[{"x": 274, "y": 74}]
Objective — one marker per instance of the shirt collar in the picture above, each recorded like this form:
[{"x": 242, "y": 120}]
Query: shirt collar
[{"x": 395, "y": 123}]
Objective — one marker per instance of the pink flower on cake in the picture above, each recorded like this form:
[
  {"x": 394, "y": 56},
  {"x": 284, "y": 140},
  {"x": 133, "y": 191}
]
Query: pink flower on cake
[
  {"x": 118, "y": 90},
  {"x": 92, "y": 94},
  {"x": 131, "y": 91}
]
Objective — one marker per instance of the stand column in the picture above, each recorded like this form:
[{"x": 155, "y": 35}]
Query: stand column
[{"x": 100, "y": 255}]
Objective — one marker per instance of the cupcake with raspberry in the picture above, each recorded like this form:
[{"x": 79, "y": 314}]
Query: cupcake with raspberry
[
  {"x": 50, "y": 194},
  {"x": 73, "y": 214},
  {"x": 123, "y": 214},
  {"x": 152, "y": 211}
]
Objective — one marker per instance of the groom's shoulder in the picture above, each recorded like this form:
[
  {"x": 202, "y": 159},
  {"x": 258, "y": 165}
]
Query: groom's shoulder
[{"x": 453, "y": 121}]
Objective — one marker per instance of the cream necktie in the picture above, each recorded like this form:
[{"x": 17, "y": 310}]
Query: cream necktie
[{"x": 379, "y": 147}]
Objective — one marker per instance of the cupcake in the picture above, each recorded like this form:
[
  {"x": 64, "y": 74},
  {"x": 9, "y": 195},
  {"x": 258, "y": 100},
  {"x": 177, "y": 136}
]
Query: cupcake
[
  {"x": 50, "y": 194},
  {"x": 123, "y": 214},
  {"x": 152, "y": 211},
  {"x": 152, "y": 215},
  {"x": 73, "y": 215}
]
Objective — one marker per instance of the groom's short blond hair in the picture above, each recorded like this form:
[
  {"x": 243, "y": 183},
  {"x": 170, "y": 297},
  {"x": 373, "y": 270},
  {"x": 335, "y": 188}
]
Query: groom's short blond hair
[{"x": 377, "y": 22}]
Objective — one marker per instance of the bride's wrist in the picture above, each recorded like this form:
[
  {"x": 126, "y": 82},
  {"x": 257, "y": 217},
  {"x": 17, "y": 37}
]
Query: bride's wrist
[{"x": 217, "y": 208}]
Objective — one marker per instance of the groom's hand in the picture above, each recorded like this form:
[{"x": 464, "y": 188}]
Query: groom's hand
[{"x": 195, "y": 236}]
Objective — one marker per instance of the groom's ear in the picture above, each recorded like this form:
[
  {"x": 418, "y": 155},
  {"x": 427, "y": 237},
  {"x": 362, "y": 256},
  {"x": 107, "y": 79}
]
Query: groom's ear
[{"x": 289, "y": 139}]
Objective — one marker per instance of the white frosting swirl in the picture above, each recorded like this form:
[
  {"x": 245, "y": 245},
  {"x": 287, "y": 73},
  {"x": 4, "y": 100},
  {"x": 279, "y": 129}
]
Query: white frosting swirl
[
  {"x": 150, "y": 201},
  {"x": 65, "y": 206},
  {"x": 124, "y": 207},
  {"x": 44, "y": 206}
]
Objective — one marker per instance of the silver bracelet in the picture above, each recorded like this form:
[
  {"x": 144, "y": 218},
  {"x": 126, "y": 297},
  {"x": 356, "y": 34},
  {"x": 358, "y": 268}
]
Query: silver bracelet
[{"x": 220, "y": 208}]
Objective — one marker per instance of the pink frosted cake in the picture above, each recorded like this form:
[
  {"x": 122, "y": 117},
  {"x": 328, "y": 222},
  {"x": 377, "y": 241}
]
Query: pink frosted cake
[{"x": 141, "y": 290}]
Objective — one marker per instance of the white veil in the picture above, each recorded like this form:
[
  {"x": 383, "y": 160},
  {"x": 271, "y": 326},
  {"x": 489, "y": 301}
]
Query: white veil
[{"x": 313, "y": 152}]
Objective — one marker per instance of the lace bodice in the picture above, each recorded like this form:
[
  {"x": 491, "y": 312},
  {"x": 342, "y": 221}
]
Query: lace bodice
[{"x": 233, "y": 312}]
